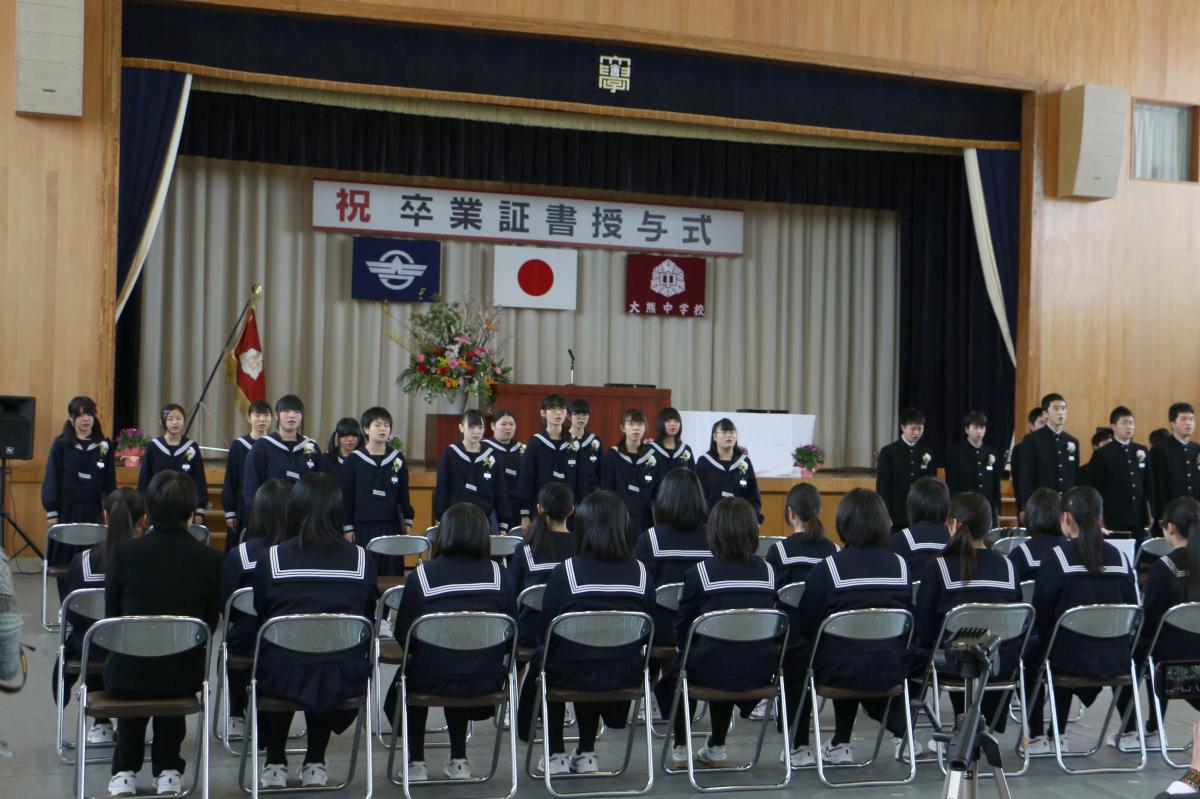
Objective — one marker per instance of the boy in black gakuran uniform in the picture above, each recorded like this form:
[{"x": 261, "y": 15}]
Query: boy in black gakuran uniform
[
  {"x": 902, "y": 463},
  {"x": 974, "y": 466}
]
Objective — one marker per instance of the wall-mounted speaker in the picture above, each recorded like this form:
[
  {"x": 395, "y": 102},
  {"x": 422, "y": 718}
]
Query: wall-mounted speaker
[
  {"x": 1092, "y": 121},
  {"x": 16, "y": 428},
  {"x": 50, "y": 57}
]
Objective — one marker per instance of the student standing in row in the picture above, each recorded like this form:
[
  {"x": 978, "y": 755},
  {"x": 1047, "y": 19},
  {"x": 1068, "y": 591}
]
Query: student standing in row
[
  {"x": 508, "y": 451},
  {"x": 632, "y": 472},
  {"x": 1035, "y": 420},
  {"x": 286, "y": 454},
  {"x": 551, "y": 456},
  {"x": 591, "y": 449},
  {"x": 1120, "y": 472},
  {"x": 973, "y": 465},
  {"x": 170, "y": 452},
  {"x": 1049, "y": 455},
  {"x": 347, "y": 437},
  {"x": 258, "y": 416},
  {"x": 902, "y": 463},
  {"x": 668, "y": 440},
  {"x": 470, "y": 472},
  {"x": 374, "y": 484},
  {"x": 726, "y": 471},
  {"x": 1175, "y": 463}
]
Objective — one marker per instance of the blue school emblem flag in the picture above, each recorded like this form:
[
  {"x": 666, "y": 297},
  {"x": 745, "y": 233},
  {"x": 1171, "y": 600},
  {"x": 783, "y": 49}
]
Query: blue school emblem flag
[{"x": 396, "y": 270}]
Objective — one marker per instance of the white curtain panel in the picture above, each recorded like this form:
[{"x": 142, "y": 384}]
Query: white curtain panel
[
  {"x": 1162, "y": 141},
  {"x": 806, "y": 320},
  {"x": 987, "y": 253}
]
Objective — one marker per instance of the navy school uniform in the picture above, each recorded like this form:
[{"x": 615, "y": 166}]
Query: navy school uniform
[
  {"x": 593, "y": 457},
  {"x": 635, "y": 479},
  {"x": 681, "y": 457},
  {"x": 238, "y": 572},
  {"x": 900, "y": 465},
  {"x": 287, "y": 580},
  {"x": 185, "y": 458},
  {"x": 79, "y": 475},
  {"x": 546, "y": 460},
  {"x": 376, "y": 501},
  {"x": 669, "y": 553},
  {"x": 1175, "y": 471},
  {"x": 1121, "y": 474},
  {"x": 794, "y": 557},
  {"x": 978, "y": 469},
  {"x": 734, "y": 478},
  {"x": 528, "y": 568},
  {"x": 331, "y": 463},
  {"x": 231, "y": 491},
  {"x": 273, "y": 458},
  {"x": 1166, "y": 586},
  {"x": 508, "y": 460},
  {"x": 1028, "y": 556},
  {"x": 942, "y": 590},
  {"x": 477, "y": 478},
  {"x": 919, "y": 544},
  {"x": 86, "y": 571},
  {"x": 1048, "y": 460}
]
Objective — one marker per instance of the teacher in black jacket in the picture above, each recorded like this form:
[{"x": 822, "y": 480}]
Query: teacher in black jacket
[{"x": 165, "y": 572}]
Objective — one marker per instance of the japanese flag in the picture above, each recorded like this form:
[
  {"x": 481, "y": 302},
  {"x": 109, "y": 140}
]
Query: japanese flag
[{"x": 535, "y": 277}]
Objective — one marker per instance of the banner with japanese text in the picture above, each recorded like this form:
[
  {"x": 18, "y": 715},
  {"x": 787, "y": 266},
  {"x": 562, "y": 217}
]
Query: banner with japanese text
[
  {"x": 660, "y": 285},
  {"x": 524, "y": 218}
]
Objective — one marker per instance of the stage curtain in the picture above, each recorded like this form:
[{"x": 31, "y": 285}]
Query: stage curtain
[{"x": 806, "y": 320}]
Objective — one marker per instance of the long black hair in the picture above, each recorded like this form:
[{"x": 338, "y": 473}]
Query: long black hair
[
  {"x": 314, "y": 512},
  {"x": 123, "y": 509},
  {"x": 974, "y": 516},
  {"x": 79, "y": 406},
  {"x": 557, "y": 501},
  {"x": 601, "y": 522},
  {"x": 804, "y": 501},
  {"x": 1184, "y": 514},
  {"x": 665, "y": 415},
  {"x": 346, "y": 426},
  {"x": 268, "y": 517},
  {"x": 1086, "y": 508}
]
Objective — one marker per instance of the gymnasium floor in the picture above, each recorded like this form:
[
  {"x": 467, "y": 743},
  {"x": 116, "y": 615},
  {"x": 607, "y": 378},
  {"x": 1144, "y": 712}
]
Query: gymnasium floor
[{"x": 26, "y": 723}]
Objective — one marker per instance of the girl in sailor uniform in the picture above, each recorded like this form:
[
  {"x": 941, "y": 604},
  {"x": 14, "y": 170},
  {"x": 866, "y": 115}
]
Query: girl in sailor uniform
[
  {"x": 286, "y": 454},
  {"x": 170, "y": 452},
  {"x": 237, "y": 514},
  {"x": 471, "y": 472},
  {"x": 375, "y": 487},
  {"x": 314, "y": 571},
  {"x": 590, "y": 446},
  {"x": 125, "y": 515},
  {"x": 268, "y": 526},
  {"x": 79, "y": 475},
  {"x": 632, "y": 470},
  {"x": 865, "y": 574},
  {"x": 926, "y": 534},
  {"x": 793, "y": 557},
  {"x": 507, "y": 451},
  {"x": 604, "y": 575},
  {"x": 966, "y": 571},
  {"x": 725, "y": 471},
  {"x": 1043, "y": 524},
  {"x": 732, "y": 578},
  {"x": 668, "y": 440},
  {"x": 1086, "y": 570},
  {"x": 347, "y": 436},
  {"x": 459, "y": 577},
  {"x": 550, "y": 456}
]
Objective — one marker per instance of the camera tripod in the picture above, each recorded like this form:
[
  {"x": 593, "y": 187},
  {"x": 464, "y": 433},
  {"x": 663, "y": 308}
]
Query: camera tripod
[
  {"x": 971, "y": 738},
  {"x": 7, "y": 518}
]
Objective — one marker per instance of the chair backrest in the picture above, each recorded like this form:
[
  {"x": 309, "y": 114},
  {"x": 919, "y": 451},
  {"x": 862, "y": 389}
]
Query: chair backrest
[
  {"x": 765, "y": 542},
  {"x": 667, "y": 595},
  {"x": 315, "y": 633},
  {"x": 531, "y": 597},
  {"x": 1101, "y": 621},
  {"x": 1185, "y": 616},
  {"x": 431, "y": 532},
  {"x": 1027, "y": 590},
  {"x": 741, "y": 625},
  {"x": 602, "y": 628},
  {"x": 199, "y": 532},
  {"x": 86, "y": 602},
  {"x": 389, "y": 600},
  {"x": 503, "y": 546},
  {"x": 147, "y": 636},
  {"x": 790, "y": 594},
  {"x": 868, "y": 624},
  {"x": 463, "y": 631},
  {"x": 1005, "y": 546},
  {"x": 1007, "y": 621},
  {"x": 241, "y": 600},
  {"x": 77, "y": 535},
  {"x": 399, "y": 545},
  {"x": 1154, "y": 548}
]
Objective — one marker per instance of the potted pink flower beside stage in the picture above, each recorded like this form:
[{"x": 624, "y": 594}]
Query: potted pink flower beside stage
[
  {"x": 131, "y": 445},
  {"x": 809, "y": 459}
]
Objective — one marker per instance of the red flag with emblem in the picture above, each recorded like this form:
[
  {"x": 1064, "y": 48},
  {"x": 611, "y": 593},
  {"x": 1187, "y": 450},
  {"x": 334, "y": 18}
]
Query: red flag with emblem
[{"x": 246, "y": 364}]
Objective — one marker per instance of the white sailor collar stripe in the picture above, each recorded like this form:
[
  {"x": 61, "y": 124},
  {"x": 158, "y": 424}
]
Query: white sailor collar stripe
[
  {"x": 280, "y": 573},
  {"x": 299, "y": 445},
  {"x": 183, "y": 447},
  {"x": 532, "y": 564},
  {"x": 1068, "y": 568},
  {"x": 1175, "y": 570},
  {"x": 954, "y": 585},
  {"x": 605, "y": 588},
  {"x": 515, "y": 446},
  {"x": 90, "y": 446},
  {"x": 457, "y": 588},
  {"x": 566, "y": 442},
  {"x": 840, "y": 582},
  {"x": 90, "y": 576},
  {"x": 917, "y": 546},
  {"x": 788, "y": 560},
  {"x": 710, "y": 584},
  {"x": 244, "y": 555},
  {"x": 660, "y": 551},
  {"x": 457, "y": 450},
  {"x": 732, "y": 466},
  {"x": 246, "y": 441},
  {"x": 1029, "y": 558},
  {"x": 391, "y": 456}
]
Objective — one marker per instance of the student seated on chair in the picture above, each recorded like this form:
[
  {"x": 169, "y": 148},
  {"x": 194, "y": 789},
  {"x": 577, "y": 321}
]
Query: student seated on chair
[
  {"x": 125, "y": 516},
  {"x": 794, "y": 557},
  {"x": 165, "y": 572},
  {"x": 865, "y": 574},
  {"x": 267, "y": 526},
  {"x": 1043, "y": 524},
  {"x": 1086, "y": 570},
  {"x": 315, "y": 570},
  {"x": 459, "y": 577},
  {"x": 604, "y": 575},
  {"x": 926, "y": 534},
  {"x": 732, "y": 578}
]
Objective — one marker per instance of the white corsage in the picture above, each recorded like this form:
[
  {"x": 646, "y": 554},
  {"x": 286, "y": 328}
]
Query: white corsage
[
  {"x": 595, "y": 443},
  {"x": 489, "y": 462},
  {"x": 650, "y": 462},
  {"x": 308, "y": 448},
  {"x": 573, "y": 446},
  {"x": 1141, "y": 455},
  {"x": 684, "y": 455},
  {"x": 521, "y": 449},
  {"x": 396, "y": 464},
  {"x": 189, "y": 454},
  {"x": 991, "y": 460},
  {"x": 743, "y": 467},
  {"x": 926, "y": 458},
  {"x": 103, "y": 448}
]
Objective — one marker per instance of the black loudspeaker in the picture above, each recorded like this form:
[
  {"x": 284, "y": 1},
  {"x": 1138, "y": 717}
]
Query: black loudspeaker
[{"x": 16, "y": 427}]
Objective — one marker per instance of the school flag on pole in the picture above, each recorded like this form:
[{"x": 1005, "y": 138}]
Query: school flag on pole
[
  {"x": 535, "y": 277},
  {"x": 245, "y": 364}
]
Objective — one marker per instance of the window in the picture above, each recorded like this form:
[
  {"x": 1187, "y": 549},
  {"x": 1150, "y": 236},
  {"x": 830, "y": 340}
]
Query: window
[{"x": 1164, "y": 141}]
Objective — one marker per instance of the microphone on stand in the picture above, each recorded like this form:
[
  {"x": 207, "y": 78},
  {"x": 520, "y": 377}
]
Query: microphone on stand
[{"x": 572, "y": 380}]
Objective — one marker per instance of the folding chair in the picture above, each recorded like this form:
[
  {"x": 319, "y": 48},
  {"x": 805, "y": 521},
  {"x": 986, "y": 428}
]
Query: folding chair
[
  {"x": 145, "y": 637},
  {"x": 386, "y": 652},
  {"x": 464, "y": 631},
  {"x": 1005, "y": 546},
  {"x": 309, "y": 634},
  {"x": 89, "y": 603},
  {"x": 997, "y": 534},
  {"x": 916, "y": 589},
  {"x": 76, "y": 535},
  {"x": 530, "y": 598},
  {"x": 868, "y": 624},
  {"x": 1012, "y": 622},
  {"x": 791, "y": 593},
  {"x": 1151, "y": 550},
  {"x": 597, "y": 628},
  {"x": 666, "y": 596},
  {"x": 503, "y": 546},
  {"x": 1184, "y": 617},
  {"x": 401, "y": 546},
  {"x": 1111, "y": 622},
  {"x": 746, "y": 625},
  {"x": 200, "y": 532},
  {"x": 765, "y": 542}
]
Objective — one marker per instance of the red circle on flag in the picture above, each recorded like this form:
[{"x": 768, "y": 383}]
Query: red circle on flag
[{"x": 535, "y": 277}]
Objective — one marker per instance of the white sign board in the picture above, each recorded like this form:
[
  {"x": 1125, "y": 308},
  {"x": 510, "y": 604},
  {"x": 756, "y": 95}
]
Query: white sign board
[{"x": 770, "y": 438}]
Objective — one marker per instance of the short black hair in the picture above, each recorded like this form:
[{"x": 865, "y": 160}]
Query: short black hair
[
  {"x": 1118, "y": 413},
  {"x": 463, "y": 532},
  {"x": 1178, "y": 408},
  {"x": 1043, "y": 512},
  {"x": 166, "y": 411},
  {"x": 927, "y": 501},
  {"x": 500, "y": 413},
  {"x": 315, "y": 516},
  {"x": 579, "y": 406},
  {"x": 346, "y": 426},
  {"x": 633, "y": 415},
  {"x": 911, "y": 416},
  {"x": 1101, "y": 435},
  {"x": 1050, "y": 398},
  {"x": 374, "y": 413},
  {"x": 268, "y": 516},
  {"x": 1035, "y": 414},
  {"x": 289, "y": 402},
  {"x": 472, "y": 418},
  {"x": 665, "y": 415},
  {"x": 680, "y": 501},
  {"x": 259, "y": 406},
  {"x": 733, "y": 530},
  {"x": 171, "y": 499},
  {"x": 1158, "y": 435},
  {"x": 975, "y": 417},
  {"x": 862, "y": 519},
  {"x": 552, "y": 401},
  {"x": 601, "y": 525}
]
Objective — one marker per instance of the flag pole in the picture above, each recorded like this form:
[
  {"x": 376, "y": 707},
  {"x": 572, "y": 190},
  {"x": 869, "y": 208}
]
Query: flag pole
[{"x": 255, "y": 292}]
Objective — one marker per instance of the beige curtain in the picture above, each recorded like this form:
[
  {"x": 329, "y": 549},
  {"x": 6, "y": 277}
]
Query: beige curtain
[{"x": 805, "y": 320}]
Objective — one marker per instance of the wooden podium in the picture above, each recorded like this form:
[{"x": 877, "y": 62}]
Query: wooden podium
[{"x": 525, "y": 401}]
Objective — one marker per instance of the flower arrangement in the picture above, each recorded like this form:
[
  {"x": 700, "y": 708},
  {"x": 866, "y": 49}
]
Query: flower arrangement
[
  {"x": 452, "y": 348},
  {"x": 809, "y": 458},
  {"x": 131, "y": 446}
]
